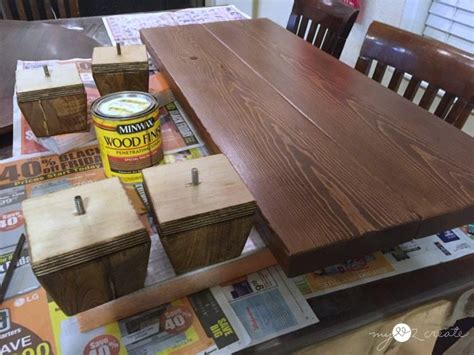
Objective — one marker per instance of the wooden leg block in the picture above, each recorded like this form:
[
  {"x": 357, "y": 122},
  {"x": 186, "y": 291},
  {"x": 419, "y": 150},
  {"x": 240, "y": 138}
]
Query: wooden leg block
[
  {"x": 58, "y": 115},
  {"x": 90, "y": 284},
  {"x": 207, "y": 245},
  {"x": 108, "y": 83}
]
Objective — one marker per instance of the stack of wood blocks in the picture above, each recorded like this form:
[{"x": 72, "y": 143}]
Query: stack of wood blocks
[
  {"x": 120, "y": 69},
  {"x": 52, "y": 100},
  {"x": 204, "y": 220},
  {"x": 84, "y": 260}
]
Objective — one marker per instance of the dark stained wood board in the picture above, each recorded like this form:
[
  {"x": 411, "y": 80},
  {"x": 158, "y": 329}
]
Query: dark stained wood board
[{"x": 339, "y": 165}]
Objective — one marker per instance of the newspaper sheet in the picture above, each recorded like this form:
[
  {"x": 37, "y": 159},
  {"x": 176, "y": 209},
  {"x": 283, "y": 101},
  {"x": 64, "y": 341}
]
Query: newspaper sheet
[
  {"x": 125, "y": 29},
  {"x": 267, "y": 303},
  {"x": 29, "y": 320},
  {"x": 406, "y": 257},
  {"x": 26, "y": 143},
  {"x": 469, "y": 230},
  {"x": 33, "y": 324}
]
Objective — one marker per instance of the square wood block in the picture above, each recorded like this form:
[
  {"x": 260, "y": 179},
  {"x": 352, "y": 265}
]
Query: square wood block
[
  {"x": 203, "y": 224},
  {"x": 54, "y": 104},
  {"x": 86, "y": 260},
  {"x": 114, "y": 72}
]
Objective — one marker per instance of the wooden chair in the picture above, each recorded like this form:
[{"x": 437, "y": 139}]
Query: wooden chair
[
  {"x": 331, "y": 22},
  {"x": 39, "y": 9},
  {"x": 442, "y": 66}
]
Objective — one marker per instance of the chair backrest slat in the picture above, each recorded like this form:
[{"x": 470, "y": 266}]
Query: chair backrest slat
[
  {"x": 363, "y": 65},
  {"x": 440, "y": 65},
  {"x": 302, "y": 27},
  {"x": 412, "y": 88},
  {"x": 7, "y": 12},
  {"x": 331, "y": 22},
  {"x": 73, "y": 8},
  {"x": 428, "y": 97},
  {"x": 312, "y": 32},
  {"x": 396, "y": 80},
  {"x": 34, "y": 10},
  {"x": 444, "y": 105},
  {"x": 379, "y": 72},
  {"x": 62, "y": 8},
  {"x": 459, "y": 113},
  {"x": 39, "y": 9},
  {"x": 48, "y": 9},
  {"x": 330, "y": 41},
  {"x": 21, "y": 10},
  {"x": 320, "y": 36}
]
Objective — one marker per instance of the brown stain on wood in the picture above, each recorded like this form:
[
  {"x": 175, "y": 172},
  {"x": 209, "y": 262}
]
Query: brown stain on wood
[
  {"x": 200, "y": 225},
  {"x": 127, "y": 71},
  {"x": 86, "y": 260},
  {"x": 339, "y": 166},
  {"x": 55, "y": 116},
  {"x": 108, "y": 83}
]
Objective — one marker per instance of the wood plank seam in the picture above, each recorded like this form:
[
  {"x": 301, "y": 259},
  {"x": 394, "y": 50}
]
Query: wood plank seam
[
  {"x": 384, "y": 88},
  {"x": 420, "y": 219},
  {"x": 371, "y": 231}
]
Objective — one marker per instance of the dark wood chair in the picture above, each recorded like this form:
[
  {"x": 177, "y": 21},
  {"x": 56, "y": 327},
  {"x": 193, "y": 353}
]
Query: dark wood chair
[
  {"x": 331, "y": 22},
  {"x": 38, "y": 9},
  {"x": 442, "y": 66}
]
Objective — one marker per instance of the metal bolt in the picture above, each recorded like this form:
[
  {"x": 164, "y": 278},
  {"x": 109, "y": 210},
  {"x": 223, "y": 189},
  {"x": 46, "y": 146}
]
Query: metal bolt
[
  {"x": 46, "y": 70},
  {"x": 119, "y": 50},
  {"x": 79, "y": 205},
  {"x": 195, "y": 176}
]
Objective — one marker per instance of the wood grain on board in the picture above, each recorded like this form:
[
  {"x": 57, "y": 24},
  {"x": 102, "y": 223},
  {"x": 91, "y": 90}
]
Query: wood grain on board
[
  {"x": 53, "y": 101},
  {"x": 339, "y": 166},
  {"x": 127, "y": 71},
  {"x": 84, "y": 260}
]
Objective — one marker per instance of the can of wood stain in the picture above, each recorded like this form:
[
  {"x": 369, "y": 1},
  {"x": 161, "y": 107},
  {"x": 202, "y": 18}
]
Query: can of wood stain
[{"x": 129, "y": 134}]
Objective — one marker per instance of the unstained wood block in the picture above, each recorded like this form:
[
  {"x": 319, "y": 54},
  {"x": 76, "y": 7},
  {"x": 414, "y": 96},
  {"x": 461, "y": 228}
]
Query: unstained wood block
[
  {"x": 86, "y": 260},
  {"x": 201, "y": 224}
]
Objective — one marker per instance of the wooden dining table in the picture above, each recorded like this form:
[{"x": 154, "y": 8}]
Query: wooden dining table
[
  {"x": 339, "y": 311},
  {"x": 23, "y": 40}
]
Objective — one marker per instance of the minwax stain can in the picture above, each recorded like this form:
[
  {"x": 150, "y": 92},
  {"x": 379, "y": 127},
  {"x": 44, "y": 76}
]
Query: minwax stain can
[{"x": 129, "y": 134}]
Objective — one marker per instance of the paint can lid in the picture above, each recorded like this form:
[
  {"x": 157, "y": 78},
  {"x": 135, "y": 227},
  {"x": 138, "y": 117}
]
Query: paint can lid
[{"x": 125, "y": 104}]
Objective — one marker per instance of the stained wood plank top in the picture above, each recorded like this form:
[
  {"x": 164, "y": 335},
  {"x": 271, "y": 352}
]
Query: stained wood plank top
[{"x": 338, "y": 165}]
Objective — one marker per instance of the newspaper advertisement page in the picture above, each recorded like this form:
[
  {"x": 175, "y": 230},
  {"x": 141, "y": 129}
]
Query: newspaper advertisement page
[
  {"x": 267, "y": 303},
  {"x": 185, "y": 326},
  {"x": 25, "y": 326},
  {"x": 406, "y": 257},
  {"x": 29, "y": 321},
  {"x": 125, "y": 29},
  {"x": 25, "y": 143}
]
